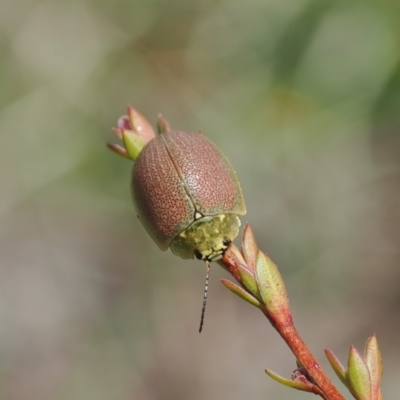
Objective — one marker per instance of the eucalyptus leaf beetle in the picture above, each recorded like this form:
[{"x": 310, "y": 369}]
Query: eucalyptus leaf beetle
[
  {"x": 187, "y": 195},
  {"x": 184, "y": 189}
]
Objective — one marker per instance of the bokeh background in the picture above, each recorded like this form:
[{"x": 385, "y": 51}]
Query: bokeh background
[{"x": 304, "y": 98}]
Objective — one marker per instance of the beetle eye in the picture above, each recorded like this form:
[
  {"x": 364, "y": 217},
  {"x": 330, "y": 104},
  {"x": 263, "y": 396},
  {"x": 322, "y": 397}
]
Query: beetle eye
[
  {"x": 198, "y": 255},
  {"x": 226, "y": 242}
]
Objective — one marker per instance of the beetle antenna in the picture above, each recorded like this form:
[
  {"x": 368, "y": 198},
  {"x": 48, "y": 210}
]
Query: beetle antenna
[{"x": 203, "y": 310}]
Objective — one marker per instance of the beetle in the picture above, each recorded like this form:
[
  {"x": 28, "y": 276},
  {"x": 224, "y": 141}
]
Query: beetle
[
  {"x": 187, "y": 195},
  {"x": 184, "y": 189}
]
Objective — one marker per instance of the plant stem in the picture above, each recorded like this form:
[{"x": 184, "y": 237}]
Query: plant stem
[{"x": 290, "y": 335}]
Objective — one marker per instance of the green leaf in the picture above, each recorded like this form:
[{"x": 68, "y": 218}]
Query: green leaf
[
  {"x": 133, "y": 143},
  {"x": 304, "y": 386},
  {"x": 248, "y": 280},
  {"x": 336, "y": 366},
  {"x": 358, "y": 376},
  {"x": 271, "y": 286},
  {"x": 241, "y": 293}
]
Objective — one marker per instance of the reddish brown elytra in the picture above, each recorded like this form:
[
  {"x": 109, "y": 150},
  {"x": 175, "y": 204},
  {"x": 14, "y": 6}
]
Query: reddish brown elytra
[{"x": 187, "y": 195}]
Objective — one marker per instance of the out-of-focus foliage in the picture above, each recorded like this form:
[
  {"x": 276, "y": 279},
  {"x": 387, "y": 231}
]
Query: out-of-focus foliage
[{"x": 304, "y": 98}]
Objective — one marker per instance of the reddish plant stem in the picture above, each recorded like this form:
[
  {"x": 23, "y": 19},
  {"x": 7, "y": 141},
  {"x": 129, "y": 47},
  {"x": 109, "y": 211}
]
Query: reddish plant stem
[
  {"x": 290, "y": 335},
  {"x": 281, "y": 319}
]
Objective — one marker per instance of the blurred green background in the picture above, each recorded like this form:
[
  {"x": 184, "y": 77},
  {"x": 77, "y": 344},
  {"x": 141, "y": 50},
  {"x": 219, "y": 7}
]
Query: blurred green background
[{"x": 304, "y": 98}]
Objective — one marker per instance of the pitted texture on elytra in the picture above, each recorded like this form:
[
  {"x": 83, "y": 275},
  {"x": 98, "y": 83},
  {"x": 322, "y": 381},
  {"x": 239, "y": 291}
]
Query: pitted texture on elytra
[
  {"x": 207, "y": 173},
  {"x": 159, "y": 196},
  {"x": 177, "y": 174}
]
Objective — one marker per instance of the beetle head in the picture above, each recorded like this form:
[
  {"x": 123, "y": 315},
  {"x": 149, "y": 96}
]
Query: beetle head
[{"x": 207, "y": 238}]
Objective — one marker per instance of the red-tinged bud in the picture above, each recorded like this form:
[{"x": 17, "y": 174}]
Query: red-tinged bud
[
  {"x": 162, "y": 124},
  {"x": 363, "y": 374},
  {"x": 140, "y": 125},
  {"x": 373, "y": 359},
  {"x": 337, "y": 366},
  {"x": 249, "y": 247},
  {"x": 230, "y": 261},
  {"x": 135, "y": 132},
  {"x": 124, "y": 123}
]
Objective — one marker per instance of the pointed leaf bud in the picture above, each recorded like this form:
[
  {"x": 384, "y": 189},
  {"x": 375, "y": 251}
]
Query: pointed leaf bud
[
  {"x": 135, "y": 132},
  {"x": 248, "y": 280},
  {"x": 336, "y": 366},
  {"x": 116, "y": 148},
  {"x": 237, "y": 266},
  {"x": 140, "y": 125},
  {"x": 272, "y": 288},
  {"x": 133, "y": 144},
  {"x": 373, "y": 359},
  {"x": 230, "y": 261},
  {"x": 358, "y": 376},
  {"x": 162, "y": 124},
  {"x": 241, "y": 293},
  {"x": 249, "y": 247}
]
